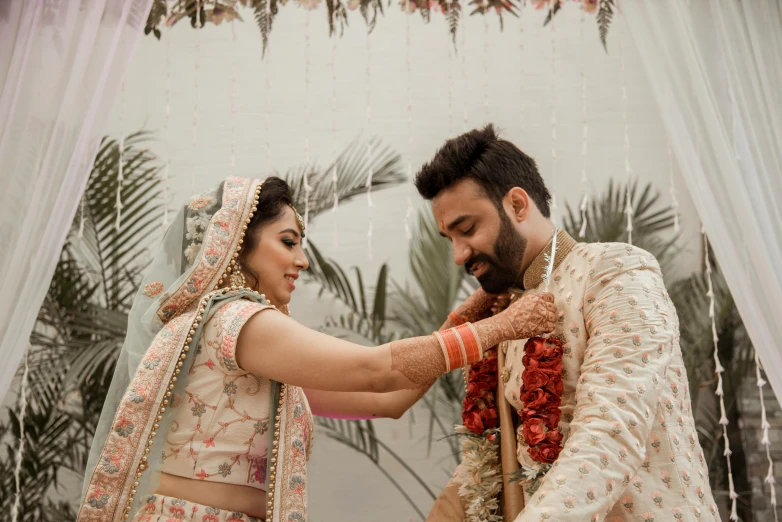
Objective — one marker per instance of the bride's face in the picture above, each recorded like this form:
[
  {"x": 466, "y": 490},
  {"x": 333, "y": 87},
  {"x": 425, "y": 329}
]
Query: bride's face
[{"x": 278, "y": 258}]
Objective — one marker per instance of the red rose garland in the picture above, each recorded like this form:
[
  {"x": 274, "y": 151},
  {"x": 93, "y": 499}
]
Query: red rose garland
[
  {"x": 479, "y": 409},
  {"x": 541, "y": 393}
]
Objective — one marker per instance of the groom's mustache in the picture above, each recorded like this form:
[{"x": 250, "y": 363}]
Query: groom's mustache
[{"x": 478, "y": 258}]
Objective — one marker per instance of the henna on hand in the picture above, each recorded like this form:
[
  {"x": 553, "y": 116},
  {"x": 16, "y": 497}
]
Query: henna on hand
[
  {"x": 531, "y": 315},
  {"x": 476, "y": 307},
  {"x": 420, "y": 359}
]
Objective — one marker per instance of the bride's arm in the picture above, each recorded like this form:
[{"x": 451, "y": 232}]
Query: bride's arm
[
  {"x": 360, "y": 405},
  {"x": 275, "y": 346}
]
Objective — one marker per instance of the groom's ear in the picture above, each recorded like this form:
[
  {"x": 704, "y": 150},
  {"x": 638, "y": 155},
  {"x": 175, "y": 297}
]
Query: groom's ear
[{"x": 519, "y": 202}]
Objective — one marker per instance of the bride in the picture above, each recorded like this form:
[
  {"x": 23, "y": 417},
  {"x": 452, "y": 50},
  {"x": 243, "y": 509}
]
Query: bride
[{"x": 207, "y": 417}]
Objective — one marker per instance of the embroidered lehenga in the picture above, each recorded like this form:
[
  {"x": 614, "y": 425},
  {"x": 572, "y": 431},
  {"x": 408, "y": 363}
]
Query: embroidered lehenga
[{"x": 178, "y": 403}]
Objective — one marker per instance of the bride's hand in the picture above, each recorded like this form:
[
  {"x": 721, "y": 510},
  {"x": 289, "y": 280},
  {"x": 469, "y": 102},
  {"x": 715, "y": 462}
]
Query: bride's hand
[
  {"x": 530, "y": 315},
  {"x": 481, "y": 305}
]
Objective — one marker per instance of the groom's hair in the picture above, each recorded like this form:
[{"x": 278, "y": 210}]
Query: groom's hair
[{"x": 497, "y": 165}]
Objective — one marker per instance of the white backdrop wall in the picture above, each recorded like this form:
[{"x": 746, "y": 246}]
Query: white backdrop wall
[{"x": 522, "y": 87}]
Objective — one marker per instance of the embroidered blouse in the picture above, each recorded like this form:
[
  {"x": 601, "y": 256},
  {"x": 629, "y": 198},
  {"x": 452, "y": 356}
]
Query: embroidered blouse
[{"x": 220, "y": 432}]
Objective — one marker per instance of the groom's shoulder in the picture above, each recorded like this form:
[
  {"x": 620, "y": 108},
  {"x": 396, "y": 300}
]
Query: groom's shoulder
[{"x": 618, "y": 255}]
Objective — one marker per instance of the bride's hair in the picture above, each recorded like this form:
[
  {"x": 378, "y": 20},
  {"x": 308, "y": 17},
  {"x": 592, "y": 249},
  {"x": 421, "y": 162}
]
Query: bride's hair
[{"x": 274, "y": 197}]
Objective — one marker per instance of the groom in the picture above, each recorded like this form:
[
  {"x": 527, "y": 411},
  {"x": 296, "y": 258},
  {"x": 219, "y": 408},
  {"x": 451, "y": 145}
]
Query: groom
[{"x": 628, "y": 449}]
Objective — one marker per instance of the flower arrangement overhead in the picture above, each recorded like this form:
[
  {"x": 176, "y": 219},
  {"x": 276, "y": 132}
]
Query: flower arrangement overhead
[{"x": 167, "y": 13}]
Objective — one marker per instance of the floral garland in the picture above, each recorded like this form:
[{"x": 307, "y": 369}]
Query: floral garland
[
  {"x": 541, "y": 393},
  {"x": 201, "y": 12},
  {"x": 480, "y": 476}
]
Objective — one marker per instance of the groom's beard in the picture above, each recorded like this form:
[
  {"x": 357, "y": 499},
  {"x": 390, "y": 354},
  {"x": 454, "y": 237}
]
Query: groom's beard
[{"x": 504, "y": 268}]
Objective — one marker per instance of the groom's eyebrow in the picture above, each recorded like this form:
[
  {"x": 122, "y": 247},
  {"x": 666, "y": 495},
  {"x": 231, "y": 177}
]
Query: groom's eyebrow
[{"x": 455, "y": 223}]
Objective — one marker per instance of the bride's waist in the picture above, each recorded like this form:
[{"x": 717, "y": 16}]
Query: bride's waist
[{"x": 230, "y": 497}]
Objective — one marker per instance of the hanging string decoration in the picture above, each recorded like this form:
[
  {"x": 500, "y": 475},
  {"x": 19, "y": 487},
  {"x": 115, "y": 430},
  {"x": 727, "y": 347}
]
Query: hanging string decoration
[
  {"x": 765, "y": 441},
  {"x": 199, "y": 24},
  {"x": 485, "y": 65},
  {"x": 521, "y": 81},
  {"x": 307, "y": 186},
  {"x": 628, "y": 170},
  {"x": 718, "y": 370},
  {"x": 166, "y": 181},
  {"x": 672, "y": 188},
  {"x": 465, "y": 89},
  {"x": 370, "y": 204},
  {"x": 121, "y": 159},
  {"x": 81, "y": 218},
  {"x": 584, "y": 178},
  {"x": 233, "y": 97},
  {"x": 408, "y": 44},
  {"x": 553, "y": 121},
  {"x": 335, "y": 168},
  {"x": 20, "y": 449},
  {"x": 267, "y": 87}
]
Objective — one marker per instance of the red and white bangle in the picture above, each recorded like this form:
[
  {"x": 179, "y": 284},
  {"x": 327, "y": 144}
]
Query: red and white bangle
[
  {"x": 456, "y": 318},
  {"x": 460, "y": 346}
]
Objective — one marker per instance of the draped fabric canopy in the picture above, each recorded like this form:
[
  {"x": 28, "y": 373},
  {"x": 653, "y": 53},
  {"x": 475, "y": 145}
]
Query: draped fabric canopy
[
  {"x": 61, "y": 65},
  {"x": 716, "y": 71}
]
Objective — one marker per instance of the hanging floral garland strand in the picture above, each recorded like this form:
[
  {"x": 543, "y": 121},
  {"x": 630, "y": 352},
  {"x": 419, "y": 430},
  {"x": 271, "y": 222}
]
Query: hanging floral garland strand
[
  {"x": 121, "y": 160},
  {"x": 166, "y": 182},
  {"x": 553, "y": 122},
  {"x": 20, "y": 449},
  {"x": 628, "y": 170},
  {"x": 233, "y": 97},
  {"x": 584, "y": 179},
  {"x": 718, "y": 370},
  {"x": 370, "y": 204},
  {"x": 267, "y": 87},
  {"x": 408, "y": 46},
  {"x": 770, "y": 480},
  {"x": 522, "y": 95},
  {"x": 465, "y": 88},
  {"x": 672, "y": 189},
  {"x": 199, "y": 25},
  {"x": 307, "y": 165},
  {"x": 335, "y": 169}
]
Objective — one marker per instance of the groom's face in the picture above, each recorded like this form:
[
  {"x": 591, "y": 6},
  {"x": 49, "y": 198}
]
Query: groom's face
[{"x": 485, "y": 240}]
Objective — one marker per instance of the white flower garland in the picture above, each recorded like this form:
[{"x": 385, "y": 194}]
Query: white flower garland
[
  {"x": 480, "y": 475},
  {"x": 197, "y": 223}
]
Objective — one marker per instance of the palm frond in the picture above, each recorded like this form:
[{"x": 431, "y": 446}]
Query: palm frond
[
  {"x": 607, "y": 221},
  {"x": 351, "y": 169},
  {"x": 438, "y": 280},
  {"x": 113, "y": 243}
]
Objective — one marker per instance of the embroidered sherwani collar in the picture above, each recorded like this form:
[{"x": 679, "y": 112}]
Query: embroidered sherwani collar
[{"x": 533, "y": 276}]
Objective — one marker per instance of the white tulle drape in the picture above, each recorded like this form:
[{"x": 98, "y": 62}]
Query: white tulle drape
[
  {"x": 61, "y": 64},
  {"x": 716, "y": 71}
]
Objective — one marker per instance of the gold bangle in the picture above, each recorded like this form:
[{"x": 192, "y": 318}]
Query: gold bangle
[{"x": 444, "y": 349}]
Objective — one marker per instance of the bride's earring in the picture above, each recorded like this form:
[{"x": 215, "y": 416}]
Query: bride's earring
[{"x": 237, "y": 278}]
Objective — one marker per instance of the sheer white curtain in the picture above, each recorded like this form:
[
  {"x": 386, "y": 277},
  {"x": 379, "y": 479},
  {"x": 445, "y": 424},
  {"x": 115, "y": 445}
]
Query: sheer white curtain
[
  {"x": 716, "y": 70},
  {"x": 61, "y": 64}
]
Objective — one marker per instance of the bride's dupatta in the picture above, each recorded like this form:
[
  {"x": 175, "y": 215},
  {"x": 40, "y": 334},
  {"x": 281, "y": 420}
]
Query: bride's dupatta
[{"x": 164, "y": 329}]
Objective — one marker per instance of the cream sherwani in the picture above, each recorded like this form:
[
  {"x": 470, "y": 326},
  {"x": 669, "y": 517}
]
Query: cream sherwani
[{"x": 631, "y": 451}]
